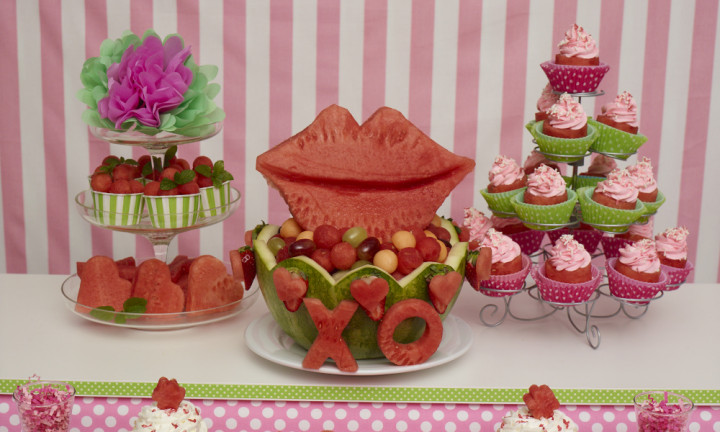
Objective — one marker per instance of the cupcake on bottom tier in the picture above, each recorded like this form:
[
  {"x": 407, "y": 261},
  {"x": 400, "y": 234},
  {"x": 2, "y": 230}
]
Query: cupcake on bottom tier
[
  {"x": 636, "y": 273},
  {"x": 509, "y": 267},
  {"x": 612, "y": 243},
  {"x": 567, "y": 276},
  {"x": 540, "y": 414},
  {"x": 529, "y": 240},
  {"x": 169, "y": 412},
  {"x": 672, "y": 250}
]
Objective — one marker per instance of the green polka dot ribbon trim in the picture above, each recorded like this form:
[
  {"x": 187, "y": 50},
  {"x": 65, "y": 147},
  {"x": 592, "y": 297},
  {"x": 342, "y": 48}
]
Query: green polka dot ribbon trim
[{"x": 367, "y": 394}]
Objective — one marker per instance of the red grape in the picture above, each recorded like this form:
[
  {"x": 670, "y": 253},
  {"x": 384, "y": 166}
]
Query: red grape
[
  {"x": 367, "y": 248},
  {"x": 301, "y": 247}
]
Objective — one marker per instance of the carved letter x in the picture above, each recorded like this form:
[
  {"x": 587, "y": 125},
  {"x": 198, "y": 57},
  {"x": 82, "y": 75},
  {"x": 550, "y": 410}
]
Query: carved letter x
[{"x": 329, "y": 341}]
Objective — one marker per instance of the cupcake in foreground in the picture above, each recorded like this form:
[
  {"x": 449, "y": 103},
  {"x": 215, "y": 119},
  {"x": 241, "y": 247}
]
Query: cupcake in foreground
[
  {"x": 568, "y": 276},
  {"x": 636, "y": 273},
  {"x": 576, "y": 67},
  {"x": 170, "y": 412},
  {"x": 547, "y": 99},
  {"x": 540, "y": 414},
  {"x": 506, "y": 178}
]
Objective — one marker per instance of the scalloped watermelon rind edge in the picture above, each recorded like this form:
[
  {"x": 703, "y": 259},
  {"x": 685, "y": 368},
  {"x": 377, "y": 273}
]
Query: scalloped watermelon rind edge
[{"x": 361, "y": 332}]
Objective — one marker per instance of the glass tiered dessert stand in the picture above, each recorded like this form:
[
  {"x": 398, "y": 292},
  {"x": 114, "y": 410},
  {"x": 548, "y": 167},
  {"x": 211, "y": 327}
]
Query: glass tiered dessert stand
[{"x": 160, "y": 238}]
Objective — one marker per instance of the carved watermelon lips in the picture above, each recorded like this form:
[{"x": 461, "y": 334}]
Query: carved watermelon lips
[{"x": 385, "y": 175}]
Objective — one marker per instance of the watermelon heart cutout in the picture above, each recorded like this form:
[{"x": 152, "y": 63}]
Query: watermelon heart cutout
[
  {"x": 360, "y": 333},
  {"x": 443, "y": 289},
  {"x": 370, "y": 293},
  {"x": 291, "y": 288}
]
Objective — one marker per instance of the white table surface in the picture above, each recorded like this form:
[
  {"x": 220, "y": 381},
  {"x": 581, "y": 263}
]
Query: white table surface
[{"x": 675, "y": 345}]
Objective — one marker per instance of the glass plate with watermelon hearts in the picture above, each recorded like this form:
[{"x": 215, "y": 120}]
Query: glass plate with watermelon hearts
[
  {"x": 265, "y": 338},
  {"x": 155, "y": 321}
]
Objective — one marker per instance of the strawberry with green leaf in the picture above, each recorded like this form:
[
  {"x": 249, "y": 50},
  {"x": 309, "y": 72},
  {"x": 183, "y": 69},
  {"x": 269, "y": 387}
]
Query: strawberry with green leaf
[{"x": 210, "y": 174}]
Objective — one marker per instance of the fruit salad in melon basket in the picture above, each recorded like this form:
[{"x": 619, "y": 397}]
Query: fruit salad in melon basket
[{"x": 364, "y": 268}]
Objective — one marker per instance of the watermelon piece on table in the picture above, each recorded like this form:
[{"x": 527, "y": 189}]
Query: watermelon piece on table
[
  {"x": 154, "y": 284},
  {"x": 101, "y": 285},
  {"x": 179, "y": 266},
  {"x": 385, "y": 175},
  {"x": 126, "y": 268},
  {"x": 210, "y": 285}
]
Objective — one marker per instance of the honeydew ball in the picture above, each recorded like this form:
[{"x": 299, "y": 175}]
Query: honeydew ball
[
  {"x": 403, "y": 239},
  {"x": 386, "y": 260},
  {"x": 275, "y": 244},
  {"x": 355, "y": 235},
  {"x": 290, "y": 228}
]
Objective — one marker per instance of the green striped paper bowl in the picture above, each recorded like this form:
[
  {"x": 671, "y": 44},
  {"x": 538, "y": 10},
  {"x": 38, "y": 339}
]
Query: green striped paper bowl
[
  {"x": 215, "y": 200},
  {"x": 117, "y": 209},
  {"x": 174, "y": 211}
]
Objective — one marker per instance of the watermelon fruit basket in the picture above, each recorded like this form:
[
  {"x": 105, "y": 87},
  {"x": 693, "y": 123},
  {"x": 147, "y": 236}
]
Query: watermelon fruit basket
[{"x": 360, "y": 334}]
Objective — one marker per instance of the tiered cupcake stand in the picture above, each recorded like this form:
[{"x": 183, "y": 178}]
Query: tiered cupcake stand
[
  {"x": 160, "y": 238},
  {"x": 579, "y": 314}
]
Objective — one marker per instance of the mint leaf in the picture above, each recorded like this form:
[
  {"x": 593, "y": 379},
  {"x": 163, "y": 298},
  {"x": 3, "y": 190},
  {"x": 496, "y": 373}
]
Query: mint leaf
[
  {"x": 169, "y": 154},
  {"x": 185, "y": 176},
  {"x": 167, "y": 184},
  {"x": 203, "y": 170},
  {"x": 104, "y": 313},
  {"x": 147, "y": 170},
  {"x": 135, "y": 305}
]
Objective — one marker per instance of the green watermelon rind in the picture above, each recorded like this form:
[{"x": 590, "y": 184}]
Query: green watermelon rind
[{"x": 361, "y": 332}]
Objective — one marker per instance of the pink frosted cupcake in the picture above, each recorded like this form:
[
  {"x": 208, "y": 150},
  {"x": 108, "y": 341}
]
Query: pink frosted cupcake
[
  {"x": 567, "y": 275},
  {"x": 566, "y": 119},
  {"x": 600, "y": 166},
  {"x": 577, "y": 67},
  {"x": 644, "y": 179},
  {"x": 547, "y": 99},
  {"x": 586, "y": 235},
  {"x": 505, "y": 175},
  {"x": 672, "y": 250},
  {"x": 636, "y": 273},
  {"x": 636, "y": 232},
  {"x": 621, "y": 113},
  {"x": 478, "y": 225},
  {"x": 509, "y": 266},
  {"x": 545, "y": 187},
  {"x": 617, "y": 191}
]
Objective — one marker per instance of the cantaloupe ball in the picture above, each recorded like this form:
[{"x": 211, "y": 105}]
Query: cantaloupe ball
[
  {"x": 386, "y": 260},
  {"x": 403, "y": 239},
  {"x": 436, "y": 221},
  {"x": 305, "y": 235},
  {"x": 443, "y": 252},
  {"x": 290, "y": 228},
  {"x": 429, "y": 233}
]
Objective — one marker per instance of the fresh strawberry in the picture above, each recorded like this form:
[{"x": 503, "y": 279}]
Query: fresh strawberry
[
  {"x": 541, "y": 401},
  {"x": 243, "y": 265}
]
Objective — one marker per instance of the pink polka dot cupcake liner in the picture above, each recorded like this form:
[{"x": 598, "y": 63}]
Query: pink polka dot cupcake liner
[
  {"x": 562, "y": 292},
  {"x": 529, "y": 241},
  {"x": 589, "y": 238},
  {"x": 505, "y": 285},
  {"x": 676, "y": 276},
  {"x": 611, "y": 245},
  {"x": 574, "y": 79},
  {"x": 624, "y": 287}
]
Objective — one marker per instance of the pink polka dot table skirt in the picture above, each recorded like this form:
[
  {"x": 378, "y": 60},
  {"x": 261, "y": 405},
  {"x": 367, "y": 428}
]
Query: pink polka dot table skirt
[{"x": 99, "y": 414}]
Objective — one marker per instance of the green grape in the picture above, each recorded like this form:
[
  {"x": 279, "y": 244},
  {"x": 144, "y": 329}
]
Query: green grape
[
  {"x": 275, "y": 244},
  {"x": 360, "y": 263},
  {"x": 355, "y": 236}
]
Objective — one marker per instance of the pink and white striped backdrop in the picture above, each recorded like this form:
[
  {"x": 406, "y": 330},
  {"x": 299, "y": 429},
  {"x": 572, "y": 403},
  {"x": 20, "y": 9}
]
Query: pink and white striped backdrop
[{"x": 465, "y": 71}]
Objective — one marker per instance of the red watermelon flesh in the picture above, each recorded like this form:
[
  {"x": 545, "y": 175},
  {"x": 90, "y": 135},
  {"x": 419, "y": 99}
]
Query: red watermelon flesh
[
  {"x": 385, "y": 175},
  {"x": 101, "y": 285},
  {"x": 153, "y": 283},
  {"x": 210, "y": 285}
]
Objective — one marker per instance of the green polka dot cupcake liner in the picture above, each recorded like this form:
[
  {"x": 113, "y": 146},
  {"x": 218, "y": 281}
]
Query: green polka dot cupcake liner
[
  {"x": 614, "y": 142},
  {"x": 563, "y": 149},
  {"x": 530, "y": 125},
  {"x": 583, "y": 181},
  {"x": 545, "y": 217},
  {"x": 652, "y": 207},
  {"x": 501, "y": 202},
  {"x": 605, "y": 218}
]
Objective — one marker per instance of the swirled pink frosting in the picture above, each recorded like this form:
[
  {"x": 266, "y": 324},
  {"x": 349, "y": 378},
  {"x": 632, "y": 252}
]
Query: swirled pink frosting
[
  {"x": 642, "y": 175},
  {"x": 535, "y": 158},
  {"x": 477, "y": 223},
  {"x": 505, "y": 171},
  {"x": 547, "y": 99},
  {"x": 623, "y": 109},
  {"x": 568, "y": 254},
  {"x": 618, "y": 186},
  {"x": 504, "y": 249},
  {"x": 500, "y": 223},
  {"x": 578, "y": 43},
  {"x": 644, "y": 230},
  {"x": 601, "y": 165},
  {"x": 673, "y": 243},
  {"x": 640, "y": 256},
  {"x": 567, "y": 113},
  {"x": 546, "y": 182}
]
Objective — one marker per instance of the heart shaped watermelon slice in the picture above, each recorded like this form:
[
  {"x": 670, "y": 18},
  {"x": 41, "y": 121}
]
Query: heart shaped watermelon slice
[{"x": 360, "y": 333}]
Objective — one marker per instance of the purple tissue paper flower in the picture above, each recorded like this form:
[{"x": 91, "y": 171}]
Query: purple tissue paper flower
[{"x": 148, "y": 81}]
